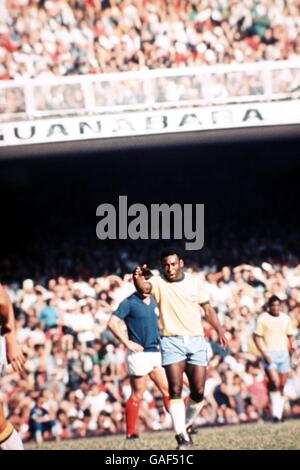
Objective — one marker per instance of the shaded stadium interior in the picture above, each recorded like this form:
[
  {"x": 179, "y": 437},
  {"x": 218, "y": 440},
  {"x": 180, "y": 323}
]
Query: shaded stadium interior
[{"x": 250, "y": 191}]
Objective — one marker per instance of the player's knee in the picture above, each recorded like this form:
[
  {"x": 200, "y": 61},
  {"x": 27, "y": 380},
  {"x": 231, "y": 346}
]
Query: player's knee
[
  {"x": 175, "y": 391},
  {"x": 137, "y": 396},
  {"x": 197, "y": 396},
  {"x": 274, "y": 386}
]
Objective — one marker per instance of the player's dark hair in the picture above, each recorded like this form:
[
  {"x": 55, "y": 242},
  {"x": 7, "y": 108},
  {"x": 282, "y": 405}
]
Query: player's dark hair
[
  {"x": 170, "y": 252},
  {"x": 273, "y": 299}
]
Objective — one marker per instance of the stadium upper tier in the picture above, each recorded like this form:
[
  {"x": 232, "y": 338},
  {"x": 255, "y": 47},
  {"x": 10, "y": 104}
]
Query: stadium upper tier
[
  {"x": 149, "y": 90},
  {"x": 56, "y": 37},
  {"x": 63, "y": 58}
]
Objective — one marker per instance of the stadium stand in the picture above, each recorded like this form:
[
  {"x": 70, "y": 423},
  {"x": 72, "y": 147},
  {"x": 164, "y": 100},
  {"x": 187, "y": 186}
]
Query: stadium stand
[{"x": 45, "y": 38}]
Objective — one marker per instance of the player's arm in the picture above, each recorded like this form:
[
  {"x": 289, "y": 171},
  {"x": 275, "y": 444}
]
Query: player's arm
[
  {"x": 140, "y": 283},
  {"x": 258, "y": 338},
  {"x": 292, "y": 344},
  {"x": 212, "y": 318},
  {"x": 259, "y": 343},
  {"x": 290, "y": 332},
  {"x": 13, "y": 351},
  {"x": 114, "y": 326},
  {"x": 7, "y": 320}
]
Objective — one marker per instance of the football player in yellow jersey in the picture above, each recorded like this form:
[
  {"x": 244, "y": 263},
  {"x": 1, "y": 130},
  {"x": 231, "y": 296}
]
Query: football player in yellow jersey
[
  {"x": 9, "y": 438},
  {"x": 273, "y": 337},
  {"x": 181, "y": 300}
]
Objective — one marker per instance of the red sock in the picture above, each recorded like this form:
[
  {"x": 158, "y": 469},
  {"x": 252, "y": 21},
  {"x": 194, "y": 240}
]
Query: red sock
[
  {"x": 132, "y": 411},
  {"x": 186, "y": 399},
  {"x": 166, "y": 401}
]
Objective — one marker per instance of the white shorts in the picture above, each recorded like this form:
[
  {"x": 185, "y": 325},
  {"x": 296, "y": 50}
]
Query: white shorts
[{"x": 142, "y": 363}]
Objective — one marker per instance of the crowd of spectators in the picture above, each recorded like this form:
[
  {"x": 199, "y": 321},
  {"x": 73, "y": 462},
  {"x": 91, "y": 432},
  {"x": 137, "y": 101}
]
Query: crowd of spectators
[
  {"x": 77, "y": 380},
  {"x": 54, "y": 39},
  {"x": 57, "y": 37}
]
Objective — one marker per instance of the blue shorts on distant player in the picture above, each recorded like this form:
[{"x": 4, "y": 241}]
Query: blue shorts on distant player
[
  {"x": 192, "y": 349},
  {"x": 280, "y": 361}
]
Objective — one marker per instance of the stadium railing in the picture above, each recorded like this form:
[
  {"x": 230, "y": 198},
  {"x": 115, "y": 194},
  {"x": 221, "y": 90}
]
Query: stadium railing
[{"x": 149, "y": 90}]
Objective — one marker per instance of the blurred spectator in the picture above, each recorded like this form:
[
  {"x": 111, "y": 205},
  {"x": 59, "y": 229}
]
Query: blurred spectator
[
  {"x": 40, "y": 422},
  {"x": 48, "y": 315}
]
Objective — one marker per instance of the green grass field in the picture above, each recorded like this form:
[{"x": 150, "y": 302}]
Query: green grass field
[{"x": 285, "y": 436}]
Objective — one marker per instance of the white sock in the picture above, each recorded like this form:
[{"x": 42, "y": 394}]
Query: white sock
[
  {"x": 276, "y": 404},
  {"x": 177, "y": 412},
  {"x": 193, "y": 408},
  {"x": 13, "y": 442},
  {"x": 38, "y": 437},
  {"x": 281, "y": 407}
]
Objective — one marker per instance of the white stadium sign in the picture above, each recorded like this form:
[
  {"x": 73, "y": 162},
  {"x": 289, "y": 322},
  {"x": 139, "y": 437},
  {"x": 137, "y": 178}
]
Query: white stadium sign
[{"x": 137, "y": 123}]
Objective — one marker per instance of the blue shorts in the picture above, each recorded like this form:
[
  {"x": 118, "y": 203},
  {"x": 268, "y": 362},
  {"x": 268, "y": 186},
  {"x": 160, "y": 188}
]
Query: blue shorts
[
  {"x": 280, "y": 361},
  {"x": 192, "y": 349}
]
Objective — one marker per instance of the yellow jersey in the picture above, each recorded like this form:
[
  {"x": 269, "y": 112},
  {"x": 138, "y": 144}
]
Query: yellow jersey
[
  {"x": 274, "y": 331},
  {"x": 179, "y": 304}
]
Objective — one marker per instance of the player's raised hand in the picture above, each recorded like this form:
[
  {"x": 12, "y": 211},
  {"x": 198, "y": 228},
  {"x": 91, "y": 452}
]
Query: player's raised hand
[
  {"x": 139, "y": 280},
  {"x": 138, "y": 272}
]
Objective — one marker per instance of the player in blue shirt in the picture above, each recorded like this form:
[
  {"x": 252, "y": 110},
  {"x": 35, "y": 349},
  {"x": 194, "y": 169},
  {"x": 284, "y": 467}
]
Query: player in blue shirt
[{"x": 139, "y": 312}]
